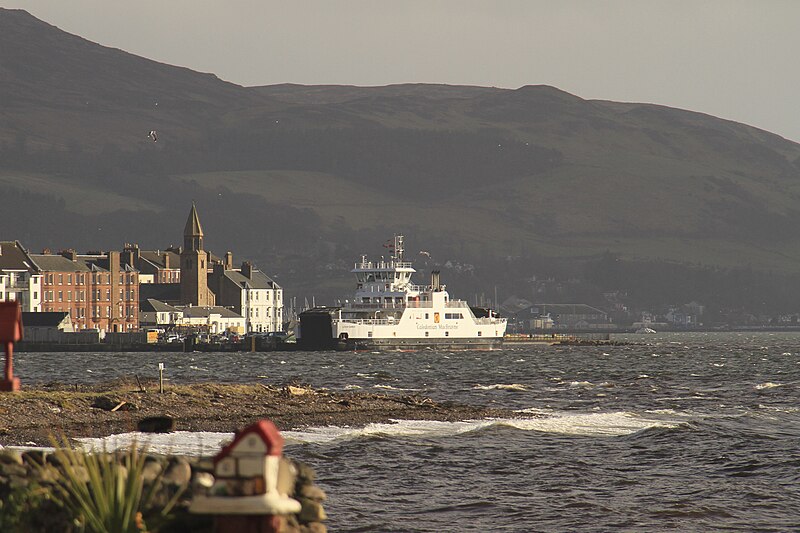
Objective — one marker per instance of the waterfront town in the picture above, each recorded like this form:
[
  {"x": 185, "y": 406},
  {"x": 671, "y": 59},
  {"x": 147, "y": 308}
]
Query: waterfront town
[
  {"x": 141, "y": 296},
  {"x": 169, "y": 293}
]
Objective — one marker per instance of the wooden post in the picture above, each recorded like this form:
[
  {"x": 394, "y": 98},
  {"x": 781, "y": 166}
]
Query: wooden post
[
  {"x": 10, "y": 332},
  {"x": 161, "y": 378}
]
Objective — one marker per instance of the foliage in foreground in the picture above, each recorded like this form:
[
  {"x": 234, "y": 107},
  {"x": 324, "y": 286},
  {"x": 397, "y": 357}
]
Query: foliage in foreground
[{"x": 107, "y": 491}]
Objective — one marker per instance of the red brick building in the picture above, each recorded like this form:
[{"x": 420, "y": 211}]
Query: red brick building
[
  {"x": 96, "y": 290},
  {"x": 154, "y": 266}
]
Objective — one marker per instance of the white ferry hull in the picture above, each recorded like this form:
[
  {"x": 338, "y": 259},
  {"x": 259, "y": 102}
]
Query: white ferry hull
[{"x": 420, "y": 344}]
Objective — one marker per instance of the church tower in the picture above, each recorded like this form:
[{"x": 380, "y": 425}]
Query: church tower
[{"x": 194, "y": 264}]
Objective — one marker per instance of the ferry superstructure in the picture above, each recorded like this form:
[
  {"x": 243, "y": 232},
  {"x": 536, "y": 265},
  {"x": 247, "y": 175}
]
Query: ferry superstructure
[{"x": 390, "y": 312}]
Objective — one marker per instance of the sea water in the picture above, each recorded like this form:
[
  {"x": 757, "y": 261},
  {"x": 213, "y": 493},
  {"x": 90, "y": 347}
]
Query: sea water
[{"x": 687, "y": 432}]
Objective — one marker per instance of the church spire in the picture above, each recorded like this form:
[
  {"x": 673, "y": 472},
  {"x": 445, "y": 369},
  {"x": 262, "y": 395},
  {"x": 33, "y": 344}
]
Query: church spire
[{"x": 193, "y": 232}]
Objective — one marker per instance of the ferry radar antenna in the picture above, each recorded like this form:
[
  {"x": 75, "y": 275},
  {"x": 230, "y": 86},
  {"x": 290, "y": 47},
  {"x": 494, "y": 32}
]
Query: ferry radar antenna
[{"x": 398, "y": 247}]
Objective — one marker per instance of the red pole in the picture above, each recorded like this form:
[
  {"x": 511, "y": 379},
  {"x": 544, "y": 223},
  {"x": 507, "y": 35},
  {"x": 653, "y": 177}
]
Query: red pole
[
  {"x": 9, "y": 364},
  {"x": 10, "y": 332},
  {"x": 10, "y": 383}
]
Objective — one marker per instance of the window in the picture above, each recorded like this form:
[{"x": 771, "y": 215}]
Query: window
[
  {"x": 60, "y": 296},
  {"x": 69, "y": 279},
  {"x": 480, "y": 334},
  {"x": 69, "y": 296},
  {"x": 446, "y": 333},
  {"x": 108, "y": 295},
  {"x": 427, "y": 333},
  {"x": 61, "y": 279}
]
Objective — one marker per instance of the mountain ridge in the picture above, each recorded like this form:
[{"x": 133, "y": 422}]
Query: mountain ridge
[{"x": 471, "y": 172}]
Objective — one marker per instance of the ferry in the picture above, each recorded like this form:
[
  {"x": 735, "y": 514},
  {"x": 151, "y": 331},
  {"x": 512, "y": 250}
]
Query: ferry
[{"x": 390, "y": 312}]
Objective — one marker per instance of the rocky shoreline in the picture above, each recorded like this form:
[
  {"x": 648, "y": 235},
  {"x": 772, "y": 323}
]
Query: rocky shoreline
[{"x": 34, "y": 415}]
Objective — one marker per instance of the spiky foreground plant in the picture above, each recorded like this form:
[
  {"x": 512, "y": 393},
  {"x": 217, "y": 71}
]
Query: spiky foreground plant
[{"x": 105, "y": 491}]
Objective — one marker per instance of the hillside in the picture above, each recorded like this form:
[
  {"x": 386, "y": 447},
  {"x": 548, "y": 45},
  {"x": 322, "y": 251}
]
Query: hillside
[{"x": 303, "y": 178}]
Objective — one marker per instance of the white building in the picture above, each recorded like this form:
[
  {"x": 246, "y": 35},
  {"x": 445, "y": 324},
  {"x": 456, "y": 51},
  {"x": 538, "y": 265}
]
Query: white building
[
  {"x": 250, "y": 293},
  {"x": 153, "y": 313},
  {"x": 19, "y": 278},
  {"x": 214, "y": 320}
]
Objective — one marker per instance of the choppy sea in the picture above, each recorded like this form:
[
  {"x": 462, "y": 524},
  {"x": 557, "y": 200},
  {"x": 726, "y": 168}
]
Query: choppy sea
[{"x": 679, "y": 432}]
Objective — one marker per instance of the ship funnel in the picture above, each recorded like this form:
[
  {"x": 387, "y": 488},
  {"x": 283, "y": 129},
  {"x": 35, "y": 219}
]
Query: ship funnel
[{"x": 435, "y": 284}]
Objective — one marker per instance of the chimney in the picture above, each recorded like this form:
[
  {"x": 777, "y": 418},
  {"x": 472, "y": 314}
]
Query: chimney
[
  {"x": 114, "y": 262},
  {"x": 70, "y": 254},
  {"x": 435, "y": 281},
  {"x": 166, "y": 260},
  {"x": 247, "y": 269},
  {"x": 131, "y": 254},
  {"x": 113, "y": 270},
  {"x": 228, "y": 260}
]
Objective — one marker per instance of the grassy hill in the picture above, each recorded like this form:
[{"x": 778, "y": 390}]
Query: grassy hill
[{"x": 301, "y": 179}]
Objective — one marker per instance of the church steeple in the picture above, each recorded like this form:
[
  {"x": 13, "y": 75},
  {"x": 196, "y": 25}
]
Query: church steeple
[
  {"x": 194, "y": 264},
  {"x": 193, "y": 232}
]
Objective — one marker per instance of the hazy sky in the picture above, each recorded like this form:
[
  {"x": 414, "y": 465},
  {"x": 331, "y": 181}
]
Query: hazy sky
[{"x": 729, "y": 58}]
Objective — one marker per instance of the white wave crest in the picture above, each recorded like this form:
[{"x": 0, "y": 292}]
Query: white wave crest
[
  {"x": 200, "y": 443},
  {"x": 768, "y": 385},
  {"x": 580, "y": 384},
  {"x": 616, "y": 424},
  {"x": 613, "y": 424},
  {"x": 389, "y": 387},
  {"x": 502, "y": 386}
]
